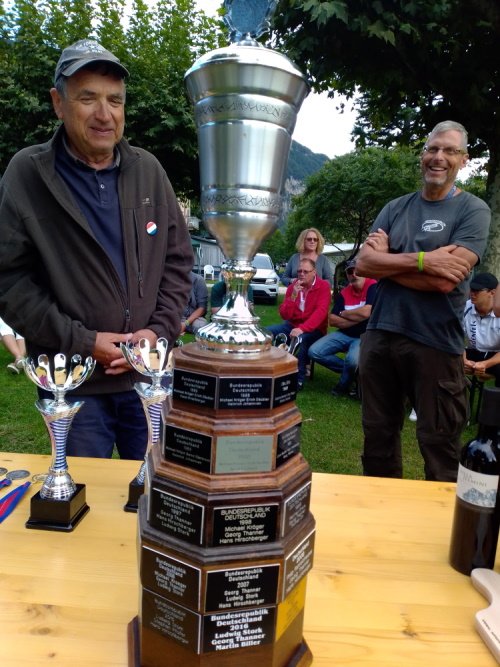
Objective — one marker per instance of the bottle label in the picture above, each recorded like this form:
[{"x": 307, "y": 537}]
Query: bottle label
[{"x": 476, "y": 488}]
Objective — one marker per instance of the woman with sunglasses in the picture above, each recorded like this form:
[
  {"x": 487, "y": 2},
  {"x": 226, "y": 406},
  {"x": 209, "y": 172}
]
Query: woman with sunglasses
[{"x": 310, "y": 245}]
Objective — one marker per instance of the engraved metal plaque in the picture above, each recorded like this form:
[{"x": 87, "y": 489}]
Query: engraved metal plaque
[
  {"x": 242, "y": 587},
  {"x": 288, "y": 444},
  {"x": 171, "y": 620},
  {"x": 188, "y": 448},
  {"x": 285, "y": 389},
  {"x": 244, "y": 525},
  {"x": 244, "y": 453},
  {"x": 298, "y": 563},
  {"x": 176, "y": 516},
  {"x": 196, "y": 388},
  {"x": 171, "y": 578},
  {"x": 296, "y": 508},
  {"x": 245, "y": 393},
  {"x": 239, "y": 629}
]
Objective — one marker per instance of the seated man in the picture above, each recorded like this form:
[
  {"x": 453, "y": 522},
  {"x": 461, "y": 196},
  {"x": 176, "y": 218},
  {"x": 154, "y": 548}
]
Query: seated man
[
  {"x": 482, "y": 328},
  {"x": 350, "y": 313},
  {"x": 196, "y": 308},
  {"x": 305, "y": 311},
  {"x": 218, "y": 292}
]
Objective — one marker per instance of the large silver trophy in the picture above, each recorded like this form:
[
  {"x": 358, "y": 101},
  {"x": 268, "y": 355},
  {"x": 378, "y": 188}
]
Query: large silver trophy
[
  {"x": 60, "y": 504},
  {"x": 154, "y": 364},
  {"x": 246, "y": 99},
  {"x": 226, "y": 535}
]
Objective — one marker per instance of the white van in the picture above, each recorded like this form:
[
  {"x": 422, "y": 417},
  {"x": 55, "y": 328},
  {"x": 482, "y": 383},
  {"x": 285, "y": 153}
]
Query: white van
[{"x": 265, "y": 281}]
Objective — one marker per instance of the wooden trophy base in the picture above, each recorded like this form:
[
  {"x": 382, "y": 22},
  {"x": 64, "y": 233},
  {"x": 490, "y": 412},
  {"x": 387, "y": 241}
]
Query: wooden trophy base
[
  {"x": 300, "y": 657},
  {"x": 226, "y": 535},
  {"x": 61, "y": 515}
]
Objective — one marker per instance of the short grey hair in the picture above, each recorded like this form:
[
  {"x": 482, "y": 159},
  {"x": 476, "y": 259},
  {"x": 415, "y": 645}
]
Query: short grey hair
[{"x": 446, "y": 126}]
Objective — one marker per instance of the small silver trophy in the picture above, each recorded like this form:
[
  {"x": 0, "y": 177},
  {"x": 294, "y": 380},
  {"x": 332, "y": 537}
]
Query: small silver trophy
[
  {"x": 152, "y": 362},
  {"x": 246, "y": 98},
  {"x": 60, "y": 504}
]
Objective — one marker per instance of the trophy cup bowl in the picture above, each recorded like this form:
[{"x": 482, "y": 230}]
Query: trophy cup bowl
[
  {"x": 246, "y": 98},
  {"x": 60, "y": 504},
  {"x": 152, "y": 362}
]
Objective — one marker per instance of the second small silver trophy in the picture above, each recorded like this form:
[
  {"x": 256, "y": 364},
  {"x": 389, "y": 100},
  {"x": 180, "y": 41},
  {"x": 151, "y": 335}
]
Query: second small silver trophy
[{"x": 153, "y": 363}]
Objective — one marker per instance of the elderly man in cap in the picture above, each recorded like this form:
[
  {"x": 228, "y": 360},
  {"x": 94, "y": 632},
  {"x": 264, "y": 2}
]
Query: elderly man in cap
[
  {"x": 350, "y": 312},
  {"x": 482, "y": 328},
  {"x": 94, "y": 249}
]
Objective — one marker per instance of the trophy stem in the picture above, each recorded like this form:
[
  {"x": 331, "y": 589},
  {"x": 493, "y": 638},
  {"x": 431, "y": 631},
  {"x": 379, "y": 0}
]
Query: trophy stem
[
  {"x": 58, "y": 418},
  {"x": 234, "y": 328},
  {"x": 152, "y": 399}
]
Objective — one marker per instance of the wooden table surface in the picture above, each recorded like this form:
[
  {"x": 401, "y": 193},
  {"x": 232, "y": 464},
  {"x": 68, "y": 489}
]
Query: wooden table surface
[{"x": 381, "y": 592}]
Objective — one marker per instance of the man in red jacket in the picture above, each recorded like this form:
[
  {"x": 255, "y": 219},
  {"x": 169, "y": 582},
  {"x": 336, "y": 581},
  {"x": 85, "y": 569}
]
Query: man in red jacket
[{"x": 305, "y": 311}]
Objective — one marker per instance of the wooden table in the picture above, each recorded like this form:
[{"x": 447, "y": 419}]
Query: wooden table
[{"x": 381, "y": 593}]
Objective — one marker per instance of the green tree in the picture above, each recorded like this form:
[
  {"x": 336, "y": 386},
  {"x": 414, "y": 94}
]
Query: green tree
[
  {"x": 343, "y": 198},
  {"x": 414, "y": 64},
  {"x": 275, "y": 247},
  {"x": 157, "y": 44}
]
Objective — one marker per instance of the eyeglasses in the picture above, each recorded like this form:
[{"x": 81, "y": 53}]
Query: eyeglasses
[
  {"x": 303, "y": 271},
  {"x": 349, "y": 271},
  {"x": 450, "y": 152},
  {"x": 310, "y": 238}
]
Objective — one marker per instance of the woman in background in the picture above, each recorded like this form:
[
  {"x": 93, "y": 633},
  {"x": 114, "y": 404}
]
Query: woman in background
[{"x": 310, "y": 245}]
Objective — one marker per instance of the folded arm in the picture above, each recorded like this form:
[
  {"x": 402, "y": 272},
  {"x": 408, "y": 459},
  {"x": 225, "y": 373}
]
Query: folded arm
[{"x": 442, "y": 269}]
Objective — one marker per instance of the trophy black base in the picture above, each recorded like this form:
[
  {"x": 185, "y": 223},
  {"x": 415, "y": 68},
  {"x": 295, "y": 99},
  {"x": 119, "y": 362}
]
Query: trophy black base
[
  {"x": 302, "y": 657},
  {"x": 61, "y": 515},
  {"x": 135, "y": 491}
]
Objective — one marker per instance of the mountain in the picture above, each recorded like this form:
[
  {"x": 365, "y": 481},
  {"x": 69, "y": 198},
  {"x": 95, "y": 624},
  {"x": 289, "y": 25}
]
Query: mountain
[{"x": 303, "y": 162}]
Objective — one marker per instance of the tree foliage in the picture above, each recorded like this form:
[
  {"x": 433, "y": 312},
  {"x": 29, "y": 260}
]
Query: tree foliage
[
  {"x": 343, "y": 198},
  {"x": 157, "y": 44},
  {"x": 414, "y": 63}
]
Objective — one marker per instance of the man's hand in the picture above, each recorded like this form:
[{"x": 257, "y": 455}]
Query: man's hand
[
  {"x": 443, "y": 263},
  {"x": 296, "y": 332},
  {"x": 107, "y": 352},
  {"x": 297, "y": 288},
  {"x": 378, "y": 241}
]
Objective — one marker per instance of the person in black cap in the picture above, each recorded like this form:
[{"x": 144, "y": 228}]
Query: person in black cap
[
  {"x": 94, "y": 248},
  {"x": 482, "y": 328},
  {"x": 350, "y": 313},
  {"x": 421, "y": 248}
]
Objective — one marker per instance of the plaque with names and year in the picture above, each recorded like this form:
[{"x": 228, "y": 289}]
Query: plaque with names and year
[
  {"x": 239, "y": 629},
  {"x": 197, "y": 388},
  {"x": 288, "y": 444},
  {"x": 244, "y": 587},
  {"x": 298, "y": 563},
  {"x": 170, "y": 577},
  {"x": 188, "y": 448},
  {"x": 176, "y": 516},
  {"x": 245, "y": 393},
  {"x": 296, "y": 508},
  {"x": 285, "y": 389},
  {"x": 244, "y": 525},
  {"x": 171, "y": 620}
]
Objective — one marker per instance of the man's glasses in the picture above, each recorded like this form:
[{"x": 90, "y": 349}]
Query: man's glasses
[
  {"x": 434, "y": 150},
  {"x": 303, "y": 271},
  {"x": 310, "y": 238}
]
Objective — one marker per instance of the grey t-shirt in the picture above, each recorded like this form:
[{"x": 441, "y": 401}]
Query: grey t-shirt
[{"x": 414, "y": 224}]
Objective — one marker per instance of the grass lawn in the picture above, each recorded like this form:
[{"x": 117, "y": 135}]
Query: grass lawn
[{"x": 331, "y": 429}]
